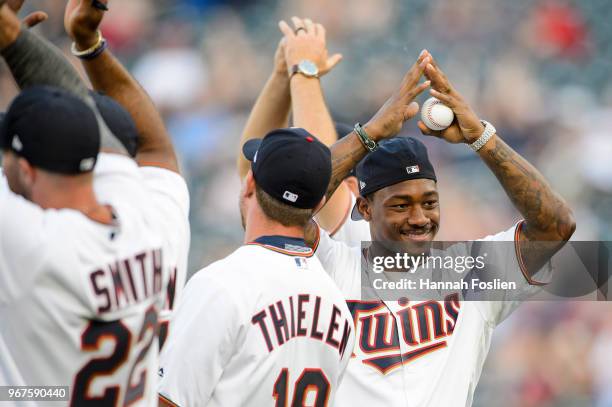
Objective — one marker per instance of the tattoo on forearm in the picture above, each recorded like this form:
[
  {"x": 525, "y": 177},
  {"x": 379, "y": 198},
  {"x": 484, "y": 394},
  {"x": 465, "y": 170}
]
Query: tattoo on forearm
[
  {"x": 543, "y": 210},
  {"x": 344, "y": 158}
]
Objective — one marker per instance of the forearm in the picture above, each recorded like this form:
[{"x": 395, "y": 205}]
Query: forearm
[
  {"x": 346, "y": 154},
  {"x": 547, "y": 216},
  {"x": 310, "y": 112},
  {"x": 271, "y": 111},
  {"x": 108, "y": 75},
  {"x": 309, "y": 109},
  {"x": 33, "y": 61}
]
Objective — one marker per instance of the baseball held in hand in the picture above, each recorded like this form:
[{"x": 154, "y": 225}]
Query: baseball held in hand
[{"x": 436, "y": 115}]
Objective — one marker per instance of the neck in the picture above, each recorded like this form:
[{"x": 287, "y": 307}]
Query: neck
[
  {"x": 76, "y": 196},
  {"x": 259, "y": 225}
]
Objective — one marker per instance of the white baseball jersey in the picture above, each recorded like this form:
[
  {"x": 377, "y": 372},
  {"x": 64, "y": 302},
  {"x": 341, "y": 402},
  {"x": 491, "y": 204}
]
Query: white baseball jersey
[
  {"x": 352, "y": 232},
  {"x": 3, "y": 182},
  {"x": 265, "y": 326},
  {"x": 169, "y": 192},
  {"x": 79, "y": 301},
  {"x": 417, "y": 353}
]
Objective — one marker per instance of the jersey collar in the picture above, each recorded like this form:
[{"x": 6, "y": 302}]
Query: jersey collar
[{"x": 292, "y": 246}]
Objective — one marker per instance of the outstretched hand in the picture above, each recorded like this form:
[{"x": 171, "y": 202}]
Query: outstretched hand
[
  {"x": 466, "y": 127},
  {"x": 82, "y": 19},
  {"x": 400, "y": 107},
  {"x": 307, "y": 40}
]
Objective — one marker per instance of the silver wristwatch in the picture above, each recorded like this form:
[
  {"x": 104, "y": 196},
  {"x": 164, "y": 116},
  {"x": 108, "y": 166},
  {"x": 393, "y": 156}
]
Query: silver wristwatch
[
  {"x": 306, "y": 67},
  {"x": 489, "y": 132}
]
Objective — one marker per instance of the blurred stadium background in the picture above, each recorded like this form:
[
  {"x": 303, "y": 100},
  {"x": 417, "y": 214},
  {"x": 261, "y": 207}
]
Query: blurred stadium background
[{"x": 538, "y": 70}]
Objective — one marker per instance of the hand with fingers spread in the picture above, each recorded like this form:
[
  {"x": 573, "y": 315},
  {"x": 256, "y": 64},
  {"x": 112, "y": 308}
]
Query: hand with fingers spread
[
  {"x": 306, "y": 41},
  {"x": 466, "y": 128},
  {"x": 400, "y": 107},
  {"x": 30, "y": 20},
  {"x": 82, "y": 19}
]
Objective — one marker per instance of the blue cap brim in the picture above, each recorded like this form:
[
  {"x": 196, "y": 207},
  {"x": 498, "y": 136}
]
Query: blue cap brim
[
  {"x": 249, "y": 149},
  {"x": 355, "y": 214}
]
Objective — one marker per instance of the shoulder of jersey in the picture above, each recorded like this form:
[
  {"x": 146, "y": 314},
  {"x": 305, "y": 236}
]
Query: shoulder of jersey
[{"x": 246, "y": 260}]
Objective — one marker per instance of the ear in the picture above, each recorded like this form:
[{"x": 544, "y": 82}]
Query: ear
[
  {"x": 364, "y": 207},
  {"x": 27, "y": 173},
  {"x": 249, "y": 185}
]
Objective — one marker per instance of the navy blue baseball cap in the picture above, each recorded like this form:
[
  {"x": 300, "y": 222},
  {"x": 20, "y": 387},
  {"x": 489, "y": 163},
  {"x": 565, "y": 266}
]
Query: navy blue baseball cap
[
  {"x": 290, "y": 165},
  {"x": 52, "y": 129},
  {"x": 396, "y": 160},
  {"x": 118, "y": 120}
]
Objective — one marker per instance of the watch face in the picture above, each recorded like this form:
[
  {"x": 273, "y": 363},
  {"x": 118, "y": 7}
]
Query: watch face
[{"x": 308, "y": 68}]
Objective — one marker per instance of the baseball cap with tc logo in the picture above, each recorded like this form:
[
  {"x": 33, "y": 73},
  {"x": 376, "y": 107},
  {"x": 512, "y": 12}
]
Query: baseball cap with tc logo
[
  {"x": 290, "y": 165},
  {"x": 52, "y": 129}
]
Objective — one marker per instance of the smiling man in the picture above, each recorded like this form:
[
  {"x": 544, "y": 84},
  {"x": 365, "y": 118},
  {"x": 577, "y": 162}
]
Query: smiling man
[
  {"x": 398, "y": 183},
  {"x": 430, "y": 351}
]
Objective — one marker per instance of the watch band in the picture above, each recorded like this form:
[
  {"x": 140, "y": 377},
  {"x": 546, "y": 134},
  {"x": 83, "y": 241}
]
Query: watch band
[
  {"x": 92, "y": 52},
  {"x": 296, "y": 69},
  {"x": 489, "y": 132},
  {"x": 367, "y": 142}
]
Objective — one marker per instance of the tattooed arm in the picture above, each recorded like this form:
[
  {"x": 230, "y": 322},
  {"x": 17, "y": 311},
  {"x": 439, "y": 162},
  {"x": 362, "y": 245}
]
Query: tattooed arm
[
  {"x": 547, "y": 216},
  {"x": 107, "y": 74},
  {"x": 34, "y": 61},
  {"x": 386, "y": 123},
  {"x": 548, "y": 219}
]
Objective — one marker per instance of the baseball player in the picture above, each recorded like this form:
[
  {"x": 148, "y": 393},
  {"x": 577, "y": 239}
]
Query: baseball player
[
  {"x": 82, "y": 282},
  {"x": 430, "y": 353},
  {"x": 155, "y": 154},
  {"x": 265, "y": 325},
  {"x": 378, "y": 374},
  {"x": 105, "y": 339}
]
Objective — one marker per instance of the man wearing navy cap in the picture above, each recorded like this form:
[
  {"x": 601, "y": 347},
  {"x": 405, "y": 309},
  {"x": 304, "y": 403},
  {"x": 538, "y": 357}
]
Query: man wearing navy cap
[
  {"x": 266, "y": 325},
  {"x": 91, "y": 256},
  {"x": 430, "y": 353},
  {"x": 266, "y": 322}
]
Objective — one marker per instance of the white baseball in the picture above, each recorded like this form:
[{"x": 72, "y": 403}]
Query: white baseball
[{"x": 436, "y": 115}]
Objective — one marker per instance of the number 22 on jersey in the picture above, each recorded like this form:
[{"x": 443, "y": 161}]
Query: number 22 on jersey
[{"x": 91, "y": 341}]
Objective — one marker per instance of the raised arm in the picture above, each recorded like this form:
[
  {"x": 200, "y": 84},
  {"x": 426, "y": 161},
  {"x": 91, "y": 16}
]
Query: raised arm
[
  {"x": 34, "y": 61},
  {"x": 271, "y": 110},
  {"x": 547, "y": 216},
  {"x": 82, "y": 19},
  {"x": 386, "y": 123},
  {"x": 307, "y": 41}
]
